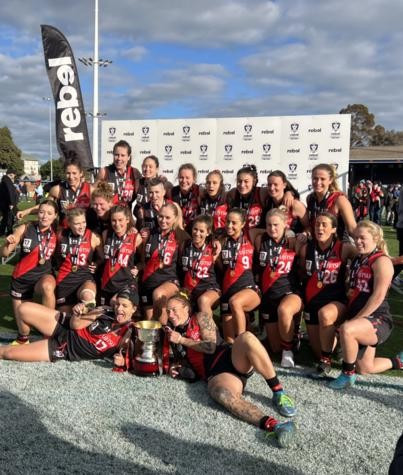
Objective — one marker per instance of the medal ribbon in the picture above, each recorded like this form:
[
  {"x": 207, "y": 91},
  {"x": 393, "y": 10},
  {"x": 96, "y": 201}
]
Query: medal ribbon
[
  {"x": 198, "y": 254},
  {"x": 355, "y": 266},
  {"x": 185, "y": 203},
  {"x": 319, "y": 207},
  {"x": 321, "y": 260},
  {"x": 43, "y": 243},
  {"x": 74, "y": 194},
  {"x": 162, "y": 245},
  {"x": 120, "y": 183},
  {"x": 274, "y": 252},
  {"x": 116, "y": 243},
  {"x": 74, "y": 247},
  {"x": 233, "y": 250}
]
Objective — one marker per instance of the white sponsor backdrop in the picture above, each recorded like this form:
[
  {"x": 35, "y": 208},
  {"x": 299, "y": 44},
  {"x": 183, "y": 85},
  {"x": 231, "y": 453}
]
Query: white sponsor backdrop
[{"x": 291, "y": 144}]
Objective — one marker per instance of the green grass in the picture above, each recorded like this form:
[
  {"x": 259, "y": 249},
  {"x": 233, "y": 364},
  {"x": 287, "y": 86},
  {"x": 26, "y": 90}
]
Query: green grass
[{"x": 392, "y": 346}]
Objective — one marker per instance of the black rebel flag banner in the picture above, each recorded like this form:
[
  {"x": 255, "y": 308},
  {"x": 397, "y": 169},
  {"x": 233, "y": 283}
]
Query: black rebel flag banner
[{"x": 71, "y": 126}]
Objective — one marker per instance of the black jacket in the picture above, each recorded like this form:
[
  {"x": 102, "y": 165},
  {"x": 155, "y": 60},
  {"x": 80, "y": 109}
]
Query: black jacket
[{"x": 8, "y": 193}]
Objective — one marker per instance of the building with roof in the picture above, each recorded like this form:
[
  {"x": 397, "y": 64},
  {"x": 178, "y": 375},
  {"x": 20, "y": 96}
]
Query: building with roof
[{"x": 384, "y": 164}]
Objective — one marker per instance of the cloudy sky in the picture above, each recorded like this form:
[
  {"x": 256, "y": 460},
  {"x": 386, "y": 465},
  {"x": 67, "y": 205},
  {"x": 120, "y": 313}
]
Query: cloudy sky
[{"x": 210, "y": 58}]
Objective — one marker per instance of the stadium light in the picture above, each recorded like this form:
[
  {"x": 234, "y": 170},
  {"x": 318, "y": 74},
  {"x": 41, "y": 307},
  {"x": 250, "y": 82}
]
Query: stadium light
[{"x": 95, "y": 63}]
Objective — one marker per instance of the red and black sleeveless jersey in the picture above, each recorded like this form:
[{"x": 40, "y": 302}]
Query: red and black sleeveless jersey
[
  {"x": 277, "y": 268},
  {"x": 120, "y": 257},
  {"x": 252, "y": 205},
  {"x": 237, "y": 259},
  {"x": 327, "y": 283},
  {"x": 198, "y": 268},
  {"x": 28, "y": 266},
  {"x": 69, "y": 199},
  {"x": 142, "y": 192},
  {"x": 362, "y": 285},
  {"x": 124, "y": 187},
  {"x": 161, "y": 256},
  {"x": 76, "y": 254},
  {"x": 328, "y": 204},
  {"x": 217, "y": 208},
  {"x": 99, "y": 340},
  {"x": 189, "y": 204}
]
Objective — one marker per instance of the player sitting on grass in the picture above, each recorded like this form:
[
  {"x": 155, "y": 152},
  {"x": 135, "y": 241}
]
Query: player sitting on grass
[
  {"x": 82, "y": 335},
  {"x": 195, "y": 339}
]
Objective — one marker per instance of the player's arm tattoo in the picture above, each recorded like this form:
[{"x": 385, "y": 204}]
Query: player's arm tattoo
[{"x": 208, "y": 331}]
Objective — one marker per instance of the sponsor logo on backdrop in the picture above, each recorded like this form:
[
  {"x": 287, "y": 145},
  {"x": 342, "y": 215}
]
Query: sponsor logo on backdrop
[
  {"x": 168, "y": 134},
  {"x": 266, "y": 155},
  {"x": 313, "y": 151},
  {"x": 204, "y": 132},
  {"x": 267, "y": 131},
  {"x": 294, "y": 131},
  {"x": 247, "y": 132},
  {"x": 265, "y": 172},
  {"x": 228, "y": 186},
  {"x": 145, "y": 152},
  {"x": 310, "y": 187},
  {"x": 203, "y": 152},
  {"x": 186, "y": 152},
  {"x": 247, "y": 151},
  {"x": 167, "y": 171},
  {"x": 145, "y": 134},
  {"x": 228, "y": 132},
  {"x": 335, "y": 132},
  {"x": 335, "y": 165},
  {"x": 128, "y": 134},
  {"x": 227, "y": 152},
  {"x": 315, "y": 130},
  {"x": 335, "y": 150},
  {"x": 168, "y": 152},
  {"x": 293, "y": 150},
  {"x": 112, "y": 134},
  {"x": 292, "y": 171},
  {"x": 186, "y": 133}
]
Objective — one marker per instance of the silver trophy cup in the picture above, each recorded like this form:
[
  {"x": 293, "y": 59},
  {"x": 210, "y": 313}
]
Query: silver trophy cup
[{"x": 146, "y": 348}]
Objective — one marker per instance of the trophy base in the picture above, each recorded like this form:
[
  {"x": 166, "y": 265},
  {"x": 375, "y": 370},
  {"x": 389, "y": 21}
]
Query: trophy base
[{"x": 145, "y": 369}]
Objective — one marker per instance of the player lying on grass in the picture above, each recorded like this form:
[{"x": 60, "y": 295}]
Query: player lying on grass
[
  {"x": 195, "y": 339},
  {"x": 82, "y": 335}
]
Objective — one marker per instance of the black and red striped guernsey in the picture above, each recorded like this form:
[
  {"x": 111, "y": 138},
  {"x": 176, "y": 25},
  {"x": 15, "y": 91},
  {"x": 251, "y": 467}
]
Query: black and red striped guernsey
[
  {"x": 28, "y": 265},
  {"x": 252, "y": 205},
  {"x": 124, "y": 186},
  {"x": 217, "y": 208},
  {"x": 328, "y": 203},
  {"x": 188, "y": 203},
  {"x": 362, "y": 285},
  {"x": 68, "y": 199},
  {"x": 99, "y": 340},
  {"x": 76, "y": 253},
  {"x": 120, "y": 257},
  {"x": 327, "y": 283},
  {"x": 198, "y": 268},
  {"x": 277, "y": 267},
  {"x": 237, "y": 259},
  {"x": 161, "y": 256}
]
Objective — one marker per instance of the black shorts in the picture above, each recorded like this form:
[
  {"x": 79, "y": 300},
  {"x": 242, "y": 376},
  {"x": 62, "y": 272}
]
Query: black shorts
[
  {"x": 221, "y": 362},
  {"x": 146, "y": 298},
  {"x": 224, "y": 306},
  {"x": 66, "y": 290},
  {"x": 268, "y": 308},
  {"x": 311, "y": 312},
  {"x": 57, "y": 344},
  {"x": 383, "y": 326},
  {"x": 21, "y": 289}
]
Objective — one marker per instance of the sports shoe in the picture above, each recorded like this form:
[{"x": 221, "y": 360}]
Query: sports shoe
[
  {"x": 322, "y": 371},
  {"x": 343, "y": 381},
  {"x": 287, "y": 359},
  {"x": 17, "y": 343},
  {"x": 284, "y": 433},
  {"x": 284, "y": 404}
]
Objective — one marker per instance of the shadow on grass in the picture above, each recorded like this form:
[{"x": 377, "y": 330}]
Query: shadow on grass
[
  {"x": 28, "y": 447},
  {"x": 185, "y": 456}
]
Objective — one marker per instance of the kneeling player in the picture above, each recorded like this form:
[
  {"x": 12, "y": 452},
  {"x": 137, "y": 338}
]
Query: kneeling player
[
  {"x": 79, "y": 336},
  {"x": 195, "y": 339}
]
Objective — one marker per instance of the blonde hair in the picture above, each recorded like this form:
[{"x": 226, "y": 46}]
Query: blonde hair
[
  {"x": 376, "y": 232},
  {"x": 175, "y": 208},
  {"x": 334, "y": 186},
  {"x": 279, "y": 212}
]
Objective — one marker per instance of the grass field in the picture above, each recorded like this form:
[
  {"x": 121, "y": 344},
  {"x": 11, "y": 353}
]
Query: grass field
[{"x": 391, "y": 347}]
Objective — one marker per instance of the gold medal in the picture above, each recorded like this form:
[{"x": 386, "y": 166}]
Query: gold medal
[
  {"x": 272, "y": 274},
  {"x": 161, "y": 265},
  {"x": 42, "y": 261},
  {"x": 194, "y": 281},
  {"x": 74, "y": 268},
  {"x": 319, "y": 284},
  {"x": 112, "y": 268},
  {"x": 232, "y": 273}
]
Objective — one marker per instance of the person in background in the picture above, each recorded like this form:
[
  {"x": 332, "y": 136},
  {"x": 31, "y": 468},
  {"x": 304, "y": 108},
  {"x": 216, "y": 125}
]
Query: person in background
[
  {"x": 38, "y": 192},
  {"x": 376, "y": 198},
  {"x": 8, "y": 201}
]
